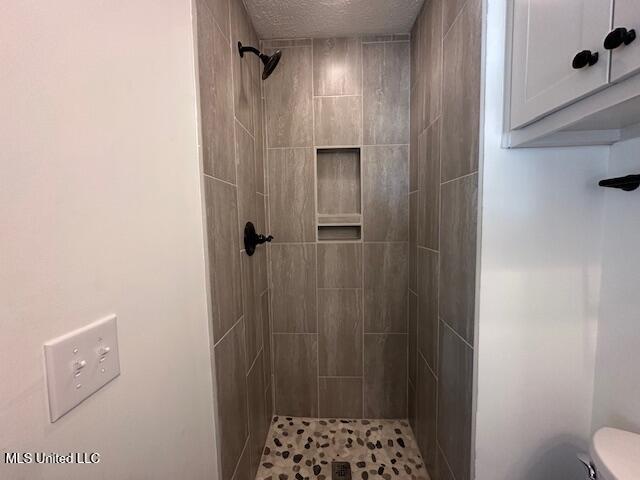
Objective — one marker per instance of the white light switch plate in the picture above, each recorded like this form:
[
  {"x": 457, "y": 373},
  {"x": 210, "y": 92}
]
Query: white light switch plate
[{"x": 79, "y": 363}]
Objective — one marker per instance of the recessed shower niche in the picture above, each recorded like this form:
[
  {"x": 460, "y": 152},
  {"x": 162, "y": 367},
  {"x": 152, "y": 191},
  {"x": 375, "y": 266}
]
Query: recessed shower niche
[{"x": 339, "y": 194}]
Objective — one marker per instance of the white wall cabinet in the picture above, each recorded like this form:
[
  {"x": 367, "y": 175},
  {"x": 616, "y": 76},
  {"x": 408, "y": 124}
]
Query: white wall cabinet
[
  {"x": 547, "y": 36},
  {"x": 626, "y": 58},
  {"x": 573, "y": 73}
]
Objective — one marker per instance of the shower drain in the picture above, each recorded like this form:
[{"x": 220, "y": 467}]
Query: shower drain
[{"x": 340, "y": 471}]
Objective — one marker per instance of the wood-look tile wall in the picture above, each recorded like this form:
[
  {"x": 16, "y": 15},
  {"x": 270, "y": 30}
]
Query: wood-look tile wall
[
  {"x": 445, "y": 104},
  {"x": 339, "y": 309},
  {"x": 232, "y": 139}
]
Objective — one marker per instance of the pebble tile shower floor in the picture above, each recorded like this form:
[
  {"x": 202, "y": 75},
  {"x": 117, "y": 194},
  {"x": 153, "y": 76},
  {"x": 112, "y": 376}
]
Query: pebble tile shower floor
[{"x": 303, "y": 448}]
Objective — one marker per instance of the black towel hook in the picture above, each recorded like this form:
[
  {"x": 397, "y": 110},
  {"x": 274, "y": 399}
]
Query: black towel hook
[{"x": 628, "y": 183}]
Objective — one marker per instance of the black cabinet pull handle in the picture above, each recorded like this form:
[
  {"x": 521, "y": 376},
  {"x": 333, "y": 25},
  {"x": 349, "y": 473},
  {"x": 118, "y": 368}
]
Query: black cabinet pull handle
[
  {"x": 585, "y": 58},
  {"x": 618, "y": 37}
]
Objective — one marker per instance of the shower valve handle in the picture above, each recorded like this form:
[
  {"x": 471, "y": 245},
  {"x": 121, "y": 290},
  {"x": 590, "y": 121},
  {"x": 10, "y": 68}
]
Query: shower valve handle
[
  {"x": 252, "y": 239},
  {"x": 262, "y": 238}
]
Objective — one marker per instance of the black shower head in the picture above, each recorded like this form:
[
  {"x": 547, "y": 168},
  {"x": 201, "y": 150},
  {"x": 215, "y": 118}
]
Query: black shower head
[{"x": 270, "y": 62}]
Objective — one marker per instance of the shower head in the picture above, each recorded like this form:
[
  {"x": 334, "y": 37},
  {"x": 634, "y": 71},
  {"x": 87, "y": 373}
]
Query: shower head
[{"x": 270, "y": 62}]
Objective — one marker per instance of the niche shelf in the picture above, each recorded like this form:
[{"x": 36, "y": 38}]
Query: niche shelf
[
  {"x": 327, "y": 233},
  {"x": 339, "y": 191},
  {"x": 353, "y": 218}
]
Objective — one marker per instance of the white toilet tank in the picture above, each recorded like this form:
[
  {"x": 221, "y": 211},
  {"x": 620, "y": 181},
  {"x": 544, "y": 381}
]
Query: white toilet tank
[{"x": 616, "y": 454}]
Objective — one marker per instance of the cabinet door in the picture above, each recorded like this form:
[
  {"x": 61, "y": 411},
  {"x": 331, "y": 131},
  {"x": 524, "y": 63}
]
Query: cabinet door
[
  {"x": 546, "y": 37},
  {"x": 625, "y": 59}
]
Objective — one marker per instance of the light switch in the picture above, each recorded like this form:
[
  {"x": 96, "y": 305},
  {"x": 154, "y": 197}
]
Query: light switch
[{"x": 80, "y": 363}]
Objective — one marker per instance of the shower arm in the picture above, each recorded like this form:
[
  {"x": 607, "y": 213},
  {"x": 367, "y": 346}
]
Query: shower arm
[{"x": 254, "y": 50}]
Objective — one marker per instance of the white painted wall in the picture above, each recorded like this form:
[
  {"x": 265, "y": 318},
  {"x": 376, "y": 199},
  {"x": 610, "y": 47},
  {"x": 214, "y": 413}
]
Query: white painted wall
[
  {"x": 100, "y": 212},
  {"x": 539, "y": 291},
  {"x": 617, "y": 383}
]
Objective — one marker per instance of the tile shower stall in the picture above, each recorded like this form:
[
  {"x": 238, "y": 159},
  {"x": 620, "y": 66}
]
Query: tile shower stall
[{"x": 360, "y": 156}]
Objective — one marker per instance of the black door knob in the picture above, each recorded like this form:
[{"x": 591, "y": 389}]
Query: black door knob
[
  {"x": 618, "y": 37},
  {"x": 586, "y": 58}
]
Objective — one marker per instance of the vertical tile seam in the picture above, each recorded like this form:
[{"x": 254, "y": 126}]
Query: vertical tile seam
[
  {"x": 440, "y": 208},
  {"x": 267, "y": 222},
  {"x": 362, "y": 223},
  {"x": 315, "y": 222},
  {"x": 409, "y": 340}
]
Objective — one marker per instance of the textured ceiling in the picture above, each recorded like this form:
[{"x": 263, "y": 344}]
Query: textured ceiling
[{"x": 329, "y": 18}]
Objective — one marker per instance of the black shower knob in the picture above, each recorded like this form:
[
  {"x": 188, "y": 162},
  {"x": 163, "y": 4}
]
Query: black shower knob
[{"x": 252, "y": 239}]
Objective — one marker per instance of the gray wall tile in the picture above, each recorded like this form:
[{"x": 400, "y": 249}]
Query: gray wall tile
[
  {"x": 220, "y": 9},
  {"x": 461, "y": 94},
  {"x": 386, "y": 93},
  {"x": 240, "y": 314},
  {"x": 252, "y": 316},
  {"x": 451, "y": 11},
  {"x": 246, "y": 180},
  {"x": 374, "y": 38},
  {"x": 413, "y": 164},
  {"x": 416, "y": 104},
  {"x": 426, "y": 414},
  {"x": 385, "y": 376},
  {"x": 266, "y": 337},
  {"x": 216, "y": 97},
  {"x": 290, "y": 42},
  {"x": 455, "y": 384},
  {"x": 441, "y": 470},
  {"x": 289, "y": 106},
  {"x": 413, "y": 241},
  {"x": 269, "y": 403},
  {"x": 337, "y": 66},
  {"x": 296, "y": 374},
  {"x": 431, "y": 39},
  {"x": 338, "y": 120},
  {"x": 338, "y": 180},
  {"x": 341, "y": 397},
  {"x": 385, "y": 287},
  {"x": 385, "y": 193},
  {"x": 257, "y": 414},
  {"x": 260, "y": 255},
  {"x": 259, "y": 141},
  {"x": 340, "y": 332},
  {"x": 232, "y": 397},
  {"x": 413, "y": 337},
  {"x": 428, "y": 305},
  {"x": 293, "y": 283},
  {"x": 245, "y": 70},
  {"x": 429, "y": 187},
  {"x": 243, "y": 470},
  {"x": 291, "y": 195},
  {"x": 224, "y": 255},
  {"x": 411, "y": 403},
  {"x": 289, "y": 111},
  {"x": 417, "y": 51},
  {"x": 458, "y": 254},
  {"x": 339, "y": 265},
  {"x": 444, "y": 131}
]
